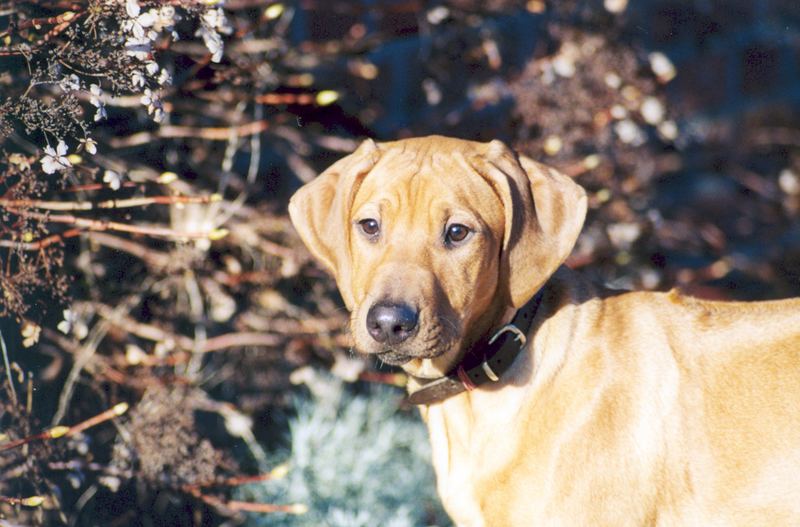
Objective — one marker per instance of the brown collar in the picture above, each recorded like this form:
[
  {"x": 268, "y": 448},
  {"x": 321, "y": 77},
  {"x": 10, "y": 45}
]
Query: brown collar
[{"x": 479, "y": 368}]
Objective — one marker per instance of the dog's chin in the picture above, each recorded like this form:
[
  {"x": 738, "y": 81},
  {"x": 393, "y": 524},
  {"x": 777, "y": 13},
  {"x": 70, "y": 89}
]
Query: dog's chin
[
  {"x": 429, "y": 365},
  {"x": 394, "y": 358}
]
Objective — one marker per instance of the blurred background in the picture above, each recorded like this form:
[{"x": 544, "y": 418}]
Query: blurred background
[{"x": 172, "y": 356}]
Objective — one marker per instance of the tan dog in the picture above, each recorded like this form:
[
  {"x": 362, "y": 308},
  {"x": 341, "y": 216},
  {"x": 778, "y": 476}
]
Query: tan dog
[{"x": 622, "y": 409}]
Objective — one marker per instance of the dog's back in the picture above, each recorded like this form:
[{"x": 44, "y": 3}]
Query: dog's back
[{"x": 688, "y": 411}]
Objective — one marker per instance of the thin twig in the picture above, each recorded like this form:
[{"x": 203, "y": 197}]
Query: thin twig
[
  {"x": 40, "y": 244},
  {"x": 115, "y": 411},
  {"x": 107, "y": 204},
  {"x": 246, "y": 506},
  {"x": 103, "y": 225},
  {"x": 8, "y": 370},
  {"x": 279, "y": 472},
  {"x": 66, "y": 431},
  {"x": 153, "y": 258},
  {"x": 175, "y": 132}
]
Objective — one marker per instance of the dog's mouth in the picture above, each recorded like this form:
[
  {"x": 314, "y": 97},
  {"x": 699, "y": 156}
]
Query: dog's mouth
[{"x": 394, "y": 358}]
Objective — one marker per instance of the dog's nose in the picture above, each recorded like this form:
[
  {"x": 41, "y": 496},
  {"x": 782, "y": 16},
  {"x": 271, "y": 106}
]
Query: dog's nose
[{"x": 391, "y": 323}]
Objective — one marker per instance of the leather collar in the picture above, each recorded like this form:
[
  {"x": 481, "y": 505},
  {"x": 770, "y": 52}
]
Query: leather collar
[{"x": 483, "y": 364}]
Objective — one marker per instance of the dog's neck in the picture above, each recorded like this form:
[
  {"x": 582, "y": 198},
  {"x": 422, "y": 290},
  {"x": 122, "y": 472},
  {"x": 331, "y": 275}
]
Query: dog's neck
[{"x": 484, "y": 363}]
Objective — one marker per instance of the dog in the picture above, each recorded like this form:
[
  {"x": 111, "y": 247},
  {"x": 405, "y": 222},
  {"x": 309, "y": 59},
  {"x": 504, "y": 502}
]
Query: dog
[{"x": 551, "y": 401}]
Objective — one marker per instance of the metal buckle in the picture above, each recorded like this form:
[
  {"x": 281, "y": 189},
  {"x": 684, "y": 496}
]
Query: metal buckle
[
  {"x": 519, "y": 336},
  {"x": 489, "y": 372}
]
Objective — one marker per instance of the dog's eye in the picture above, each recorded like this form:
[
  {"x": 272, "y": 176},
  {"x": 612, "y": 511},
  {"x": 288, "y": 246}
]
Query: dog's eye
[
  {"x": 456, "y": 233},
  {"x": 370, "y": 227}
]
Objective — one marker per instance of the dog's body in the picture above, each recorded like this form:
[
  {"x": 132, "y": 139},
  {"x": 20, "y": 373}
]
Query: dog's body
[{"x": 622, "y": 409}]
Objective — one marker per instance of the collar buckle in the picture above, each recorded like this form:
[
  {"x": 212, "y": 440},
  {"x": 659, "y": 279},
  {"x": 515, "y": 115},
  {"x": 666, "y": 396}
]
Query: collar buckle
[{"x": 519, "y": 336}]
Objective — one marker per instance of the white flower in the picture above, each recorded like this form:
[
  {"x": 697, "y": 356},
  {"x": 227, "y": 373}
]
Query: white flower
[
  {"x": 137, "y": 78},
  {"x": 138, "y": 48},
  {"x": 213, "y": 42},
  {"x": 113, "y": 179},
  {"x": 66, "y": 325},
  {"x": 71, "y": 83},
  {"x": 72, "y": 323},
  {"x": 96, "y": 92},
  {"x": 163, "y": 18},
  {"x": 149, "y": 98},
  {"x": 789, "y": 182},
  {"x": 100, "y": 113},
  {"x": 615, "y": 6},
  {"x": 138, "y": 23},
  {"x": 30, "y": 333},
  {"x": 90, "y": 145},
  {"x": 652, "y": 110},
  {"x": 215, "y": 19},
  {"x": 164, "y": 77},
  {"x": 55, "y": 160},
  {"x": 668, "y": 130},
  {"x": 629, "y": 133},
  {"x": 212, "y": 23},
  {"x": 152, "y": 101},
  {"x": 132, "y": 8},
  {"x": 662, "y": 66},
  {"x": 612, "y": 80},
  {"x": 151, "y": 67},
  {"x": 437, "y": 15}
]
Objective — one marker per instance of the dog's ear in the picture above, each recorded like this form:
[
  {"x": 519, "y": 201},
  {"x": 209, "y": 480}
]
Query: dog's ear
[
  {"x": 320, "y": 211},
  {"x": 544, "y": 213}
]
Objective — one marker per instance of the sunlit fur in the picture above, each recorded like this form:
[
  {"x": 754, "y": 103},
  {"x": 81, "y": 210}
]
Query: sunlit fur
[{"x": 624, "y": 408}]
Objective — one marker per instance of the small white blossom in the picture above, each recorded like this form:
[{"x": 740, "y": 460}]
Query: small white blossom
[
  {"x": 149, "y": 98},
  {"x": 662, "y": 66},
  {"x": 55, "y": 160},
  {"x": 215, "y": 19},
  {"x": 212, "y": 23},
  {"x": 113, "y": 179},
  {"x": 96, "y": 92},
  {"x": 629, "y": 133},
  {"x": 138, "y": 22},
  {"x": 90, "y": 145},
  {"x": 30, "y": 333},
  {"x": 213, "y": 42},
  {"x": 437, "y": 15},
  {"x": 152, "y": 101},
  {"x": 668, "y": 130},
  {"x": 163, "y": 18},
  {"x": 652, "y": 110},
  {"x": 164, "y": 78},
  {"x": 138, "y": 48},
  {"x": 138, "y": 79},
  {"x": 132, "y": 8},
  {"x": 564, "y": 66},
  {"x": 789, "y": 182},
  {"x": 612, "y": 80},
  {"x": 66, "y": 325},
  {"x": 70, "y": 83},
  {"x": 151, "y": 67},
  {"x": 615, "y": 6},
  {"x": 623, "y": 234}
]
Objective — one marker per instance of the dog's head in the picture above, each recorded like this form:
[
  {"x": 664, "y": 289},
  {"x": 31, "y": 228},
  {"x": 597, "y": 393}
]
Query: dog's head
[{"x": 432, "y": 239}]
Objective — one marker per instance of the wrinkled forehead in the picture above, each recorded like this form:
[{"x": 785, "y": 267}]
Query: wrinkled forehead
[{"x": 427, "y": 181}]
